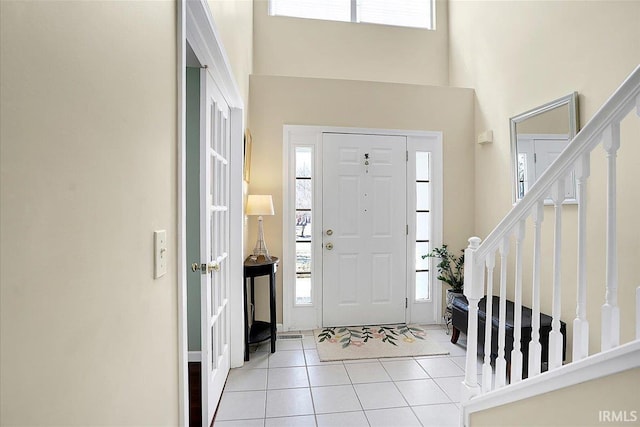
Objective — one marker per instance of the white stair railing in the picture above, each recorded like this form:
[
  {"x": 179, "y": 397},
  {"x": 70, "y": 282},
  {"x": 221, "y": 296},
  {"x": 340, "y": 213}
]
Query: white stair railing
[{"x": 480, "y": 259}]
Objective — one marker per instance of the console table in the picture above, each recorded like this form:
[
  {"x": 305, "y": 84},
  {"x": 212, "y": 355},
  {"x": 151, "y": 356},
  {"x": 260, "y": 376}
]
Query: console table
[{"x": 258, "y": 331}]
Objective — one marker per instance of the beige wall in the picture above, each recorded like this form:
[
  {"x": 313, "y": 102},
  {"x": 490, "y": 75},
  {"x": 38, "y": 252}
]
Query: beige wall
[
  {"x": 234, "y": 23},
  {"x": 88, "y": 160},
  {"x": 340, "y": 50},
  {"x": 578, "y": 405},
  {"x": 276, "y": 101},
  {"x": 521, "y": 54}
]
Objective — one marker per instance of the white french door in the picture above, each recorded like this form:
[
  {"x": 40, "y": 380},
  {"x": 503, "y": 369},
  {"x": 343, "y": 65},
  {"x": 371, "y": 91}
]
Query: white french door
[
  {"x": 364, "y": 229},
  {"x": 214, "y": 243}
]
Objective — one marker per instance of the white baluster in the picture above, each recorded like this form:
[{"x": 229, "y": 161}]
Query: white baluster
[
  {"x": 473, "y": 290},
  {"x": 610, "y": 309},
  {"x": 555, "y": 336},
  {"x": 501, "y": 362},
  {"x": 488, "y": 326},
  {"x": 535, "y": 349},
  {"x": 580, "y": 323},
  {"x": 516, "y": 353}
]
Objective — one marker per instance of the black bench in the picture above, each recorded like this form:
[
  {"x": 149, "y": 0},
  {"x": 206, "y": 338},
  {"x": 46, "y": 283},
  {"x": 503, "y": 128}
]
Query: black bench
[{"x": 459, "y": 320}]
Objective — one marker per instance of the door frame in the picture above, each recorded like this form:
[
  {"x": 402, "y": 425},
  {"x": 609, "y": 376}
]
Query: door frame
[
  {"x": 195, "y": 26},
  {"x": 298, "y": 317}
]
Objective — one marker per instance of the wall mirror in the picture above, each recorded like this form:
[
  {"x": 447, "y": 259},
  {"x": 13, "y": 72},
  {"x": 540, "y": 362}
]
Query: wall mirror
[{"x": 538, "y": 136}]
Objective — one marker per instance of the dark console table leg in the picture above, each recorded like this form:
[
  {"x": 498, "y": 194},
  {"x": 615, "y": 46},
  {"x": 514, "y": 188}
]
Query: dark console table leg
[
  {"x": 272, "y": 298},
  {"x": 246, "y": 322},
  {"x": 253, "y": 300}
]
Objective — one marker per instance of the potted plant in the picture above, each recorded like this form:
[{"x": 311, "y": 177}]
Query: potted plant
[{"x": 450, "y": 271}]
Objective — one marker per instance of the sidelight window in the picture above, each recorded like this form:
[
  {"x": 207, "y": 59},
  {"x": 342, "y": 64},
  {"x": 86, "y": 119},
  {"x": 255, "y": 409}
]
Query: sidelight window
[
  {"x": 303, "y": 229},
  {"x": 423, "y": 225}
]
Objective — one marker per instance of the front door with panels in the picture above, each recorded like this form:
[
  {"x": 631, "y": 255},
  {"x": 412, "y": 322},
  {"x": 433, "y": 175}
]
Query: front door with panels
[
  {"x": 364, "y": 229},
  {"x": 214, "y": 243}
]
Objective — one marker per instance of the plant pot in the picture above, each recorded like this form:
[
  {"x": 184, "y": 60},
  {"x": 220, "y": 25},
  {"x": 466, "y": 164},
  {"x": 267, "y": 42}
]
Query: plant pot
[{"x": 451, "y": 295}]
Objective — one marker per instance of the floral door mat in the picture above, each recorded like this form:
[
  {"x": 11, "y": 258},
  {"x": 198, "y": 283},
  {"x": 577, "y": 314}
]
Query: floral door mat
[{"x": 373, "y": 342}]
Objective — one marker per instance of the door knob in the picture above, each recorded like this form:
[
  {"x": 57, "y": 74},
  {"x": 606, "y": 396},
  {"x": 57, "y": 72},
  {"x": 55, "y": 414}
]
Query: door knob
[
  {"x": 329, "y": 246},
  {"x": 329, "y": 232},
  {"x": 205, "y": 268}
]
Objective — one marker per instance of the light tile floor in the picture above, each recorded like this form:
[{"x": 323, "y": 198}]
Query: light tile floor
[{"x": 291, "y": 387}]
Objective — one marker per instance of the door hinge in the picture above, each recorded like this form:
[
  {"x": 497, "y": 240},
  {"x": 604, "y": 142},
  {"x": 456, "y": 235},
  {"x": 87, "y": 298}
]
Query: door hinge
[
  {"x": 406, "y": 303},
  {"x": 407, "y": 155},
  {"x": 535, "y": 157},
  {"x": 407, "y": 229}
]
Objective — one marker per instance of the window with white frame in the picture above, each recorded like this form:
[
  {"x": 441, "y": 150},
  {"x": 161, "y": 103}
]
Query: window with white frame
[
  {"x": 402, "y": 13},
  {"x": 423, "y": 225},
  {"x": 303, "y": 207}
]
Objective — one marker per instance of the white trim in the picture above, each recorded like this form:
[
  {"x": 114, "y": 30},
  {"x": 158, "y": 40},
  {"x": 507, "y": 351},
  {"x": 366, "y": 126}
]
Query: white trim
[
  {"x": 310, "y": 317},
  {"x": 181, "y": 238},
  {"x": 236, "y": 238},
  {"x": 195, "y": 356},
  {"x": 301, "y": 317},
  {"x": 606, "y": 363},
  {"x": 196, "y": 26},
  {"x": 207, "y": 44},
  {"x": 433, "y": 144}
]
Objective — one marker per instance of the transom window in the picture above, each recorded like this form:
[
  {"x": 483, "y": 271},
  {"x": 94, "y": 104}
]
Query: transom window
[{"x": 403, "y": 13}]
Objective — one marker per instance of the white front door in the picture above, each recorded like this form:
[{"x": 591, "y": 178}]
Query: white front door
[
  {"x": 214, "y": 243},
  {"x": 364, "y": 229}
]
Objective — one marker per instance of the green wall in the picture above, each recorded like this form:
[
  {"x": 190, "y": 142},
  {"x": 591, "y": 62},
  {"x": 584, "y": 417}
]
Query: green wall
[{"x": 193, "y": 206}]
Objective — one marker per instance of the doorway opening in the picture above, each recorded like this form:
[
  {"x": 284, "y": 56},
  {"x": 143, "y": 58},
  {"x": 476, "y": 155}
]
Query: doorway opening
[
  {"x": 210, "y": 318},
  {"x": 361, "y": 207}
]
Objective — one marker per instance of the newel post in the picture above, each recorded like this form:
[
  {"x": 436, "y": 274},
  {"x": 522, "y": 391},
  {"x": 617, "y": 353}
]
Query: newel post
[{"x": 474, "y": 291}]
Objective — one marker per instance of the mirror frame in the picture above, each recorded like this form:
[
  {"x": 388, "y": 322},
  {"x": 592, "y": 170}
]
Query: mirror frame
[{"x": 571, "y": 101}]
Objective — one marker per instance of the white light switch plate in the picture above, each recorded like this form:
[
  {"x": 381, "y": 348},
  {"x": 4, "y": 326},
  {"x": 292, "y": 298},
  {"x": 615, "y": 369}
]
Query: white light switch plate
[{"x": 160, "y": 253}]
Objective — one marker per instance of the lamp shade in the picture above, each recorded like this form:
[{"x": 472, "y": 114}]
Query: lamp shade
[{"x": 260, "y": 204}]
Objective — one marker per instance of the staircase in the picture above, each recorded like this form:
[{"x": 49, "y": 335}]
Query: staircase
[{"x": 497, "y": 387}]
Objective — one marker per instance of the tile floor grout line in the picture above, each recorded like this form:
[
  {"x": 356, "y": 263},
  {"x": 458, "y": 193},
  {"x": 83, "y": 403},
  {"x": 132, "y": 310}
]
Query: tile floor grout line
[{"x": 402, "y": 374}]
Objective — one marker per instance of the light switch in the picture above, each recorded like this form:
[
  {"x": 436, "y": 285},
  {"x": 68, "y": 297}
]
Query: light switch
[{"x": 160, "y": 251}]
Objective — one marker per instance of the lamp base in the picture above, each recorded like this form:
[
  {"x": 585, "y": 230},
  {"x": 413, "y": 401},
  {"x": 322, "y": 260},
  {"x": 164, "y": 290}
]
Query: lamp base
[{"x": 260, "y": 251}]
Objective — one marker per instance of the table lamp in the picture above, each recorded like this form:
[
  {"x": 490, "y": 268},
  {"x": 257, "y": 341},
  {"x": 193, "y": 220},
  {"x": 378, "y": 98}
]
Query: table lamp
[{"x": 260, "y": 204}]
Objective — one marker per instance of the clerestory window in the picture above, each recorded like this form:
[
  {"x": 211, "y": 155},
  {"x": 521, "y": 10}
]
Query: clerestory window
[{"x": 402, "y": 13}]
